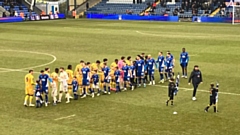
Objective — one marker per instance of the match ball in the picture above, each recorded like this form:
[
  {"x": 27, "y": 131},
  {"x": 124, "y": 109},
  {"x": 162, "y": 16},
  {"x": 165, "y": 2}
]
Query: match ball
[{"x": 174, "y": 112}]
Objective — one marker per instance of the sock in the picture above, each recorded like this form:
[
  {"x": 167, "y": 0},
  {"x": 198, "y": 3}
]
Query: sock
[
  {"x": 215, "y": 109},
  {"x": 38, "y": 102},
  {"x": 167, "y": 101},
  {"x": 173, "y": 73},
  {"x": 84, "y": 91},
  {"x": 183, "y": 71},
  {"x": 161, "y": 76},
  {"x": 105, "y": 88},
  {"x": 30, "y": 99},
  {"x": 207, "y": 108},
  {"x": 130, "y": 85},
  {"x": 99, "y": 91},
  {"x": 70, "y": 92},
  {"x": 60, "y": 96},
  {"x": 171, "y": 102},
  {"x": 153, "y": 78},
  {"x": 90, "y": 90},
  {"x": 125, "y": 85},
  {"x": 67, "y": 96},
  {"x": 26, "y": 99},
  {"x": 144, "y": 81},
  {"x": 101, "y": 86},
  {"x": 166, "y": 75},
  {"x": 109, "y": 89},
  {"x": 139, "y": 81},
  {"x": 46, "y": 98},
  {"x": 169, "y": 75},
  {"x": 54, "y": 99},
  {"x": 150, "y": 78}
]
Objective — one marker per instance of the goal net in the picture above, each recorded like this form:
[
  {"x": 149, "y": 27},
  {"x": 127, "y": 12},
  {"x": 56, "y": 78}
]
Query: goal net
[{"x": 236, "y": 14}]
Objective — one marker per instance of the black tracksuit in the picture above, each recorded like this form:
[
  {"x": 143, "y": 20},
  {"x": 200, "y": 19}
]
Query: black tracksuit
[{"x": 196, "y": 78}]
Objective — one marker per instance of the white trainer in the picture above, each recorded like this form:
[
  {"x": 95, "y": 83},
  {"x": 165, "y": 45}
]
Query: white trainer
[
  {"x": 83, "y": 96},
  {"x": 67, "y": 102},
  {"x": 31, "y": 105},
  {"x": 153, "y": 82},
  {"x": 194, "y": 98},
  {"x": 109, "y": 93}
]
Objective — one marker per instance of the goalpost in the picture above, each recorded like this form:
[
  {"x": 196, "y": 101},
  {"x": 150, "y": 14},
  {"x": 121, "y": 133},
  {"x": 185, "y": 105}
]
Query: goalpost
[{"x": 235, "y": 14}]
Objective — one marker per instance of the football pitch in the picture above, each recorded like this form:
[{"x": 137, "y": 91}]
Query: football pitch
[{"x": 36, "y": 45}]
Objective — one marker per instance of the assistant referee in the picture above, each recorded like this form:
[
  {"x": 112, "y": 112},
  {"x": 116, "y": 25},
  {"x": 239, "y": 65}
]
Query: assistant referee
[{"x": 196, "y": 78}]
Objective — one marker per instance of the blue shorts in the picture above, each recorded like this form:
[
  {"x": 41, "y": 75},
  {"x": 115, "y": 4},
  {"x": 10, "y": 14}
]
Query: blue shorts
[
  {"x": 107, "y": 80},
  {"x": 183, "y": 65},
  {"x": 150, "y": 72},
  {"x": 75, "y": 89},
  {"x": 168, "y": 70},
  {"x": 140, "y": 74},
  {"x": 161, "y": 69},
  {"x": 126, "y": 79},
  {"x": 45, "y": 90},
  {"x": 85, "y": 82}
]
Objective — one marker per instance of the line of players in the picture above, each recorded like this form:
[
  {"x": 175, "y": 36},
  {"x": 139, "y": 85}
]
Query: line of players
[{"x": 95, "y": 78}]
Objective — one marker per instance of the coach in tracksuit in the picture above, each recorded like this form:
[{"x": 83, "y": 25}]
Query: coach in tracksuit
[{"x": 196, "y": 78}]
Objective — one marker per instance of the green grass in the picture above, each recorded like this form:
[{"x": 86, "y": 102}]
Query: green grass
[{"x": 214, "y": 47}]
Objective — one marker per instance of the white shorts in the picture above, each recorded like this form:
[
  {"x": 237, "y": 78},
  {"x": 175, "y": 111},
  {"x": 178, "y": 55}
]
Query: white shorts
[
  {"x": 95, "y": 86},
  {"x": 63, "y": 87}
]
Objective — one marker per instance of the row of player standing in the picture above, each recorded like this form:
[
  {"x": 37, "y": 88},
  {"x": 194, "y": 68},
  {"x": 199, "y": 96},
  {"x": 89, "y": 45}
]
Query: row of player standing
[{"x": 82, "y": 78}]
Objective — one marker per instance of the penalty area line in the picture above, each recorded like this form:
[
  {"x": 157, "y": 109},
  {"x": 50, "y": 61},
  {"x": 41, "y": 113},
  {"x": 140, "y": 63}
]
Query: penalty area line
[
  {"x": 188, "y": 89},
  {"x": 65, "y": 117}
]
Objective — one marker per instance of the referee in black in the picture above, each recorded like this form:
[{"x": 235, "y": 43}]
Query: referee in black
[
  {"x": 196, "y": 78},
  {"x": 213, "y": 94},
  {"x": 171, "y": 90}
]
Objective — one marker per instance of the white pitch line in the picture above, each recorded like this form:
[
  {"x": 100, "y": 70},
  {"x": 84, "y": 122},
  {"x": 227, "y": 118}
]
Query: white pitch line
[
  {"x": 188, "y": 89},
  {"x": 65, "y": 117},
  {"x": 10, "y": 70}
]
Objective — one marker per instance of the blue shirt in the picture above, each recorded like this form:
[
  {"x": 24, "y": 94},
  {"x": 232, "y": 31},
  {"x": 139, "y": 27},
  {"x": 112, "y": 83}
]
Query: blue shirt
[
  {"x": 95, "y": 78},
  {"x": 168, "y": 62},
  {"x": 75, "y": 85},
  {"x": 44, "y": 80},
  {"x": 106, "y": 71},
  {"x": 37, "y": 88},
  {"x": 117, "y": 75},
  {"x": 160, "y": 61},
  {"x": 85, "y": 72},
  {"x": 125, "y": 71},
  {"x": 140, "y": 65},
  {"x": 132, "y": 68},
  {"x": 184, "y": 57},
  {"x": 151, "y": 63}
]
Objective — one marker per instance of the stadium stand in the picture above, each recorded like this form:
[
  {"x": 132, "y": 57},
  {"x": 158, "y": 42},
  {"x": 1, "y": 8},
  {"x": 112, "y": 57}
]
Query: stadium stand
[
  {"x": 183, "y": 10},
  {"x": 14, "y": 8}
]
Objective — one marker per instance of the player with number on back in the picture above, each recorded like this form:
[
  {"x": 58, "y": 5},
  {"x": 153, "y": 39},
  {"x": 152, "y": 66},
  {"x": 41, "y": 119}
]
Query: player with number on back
[
  {"x": 140, "y": 71},
  {"x": 95, "y": 82},
  {"x": 168, "y": 66},
  {"x": 161, "y": 64},
  {"x": 184, "y": 58},
  {"x": 29, "y": 83}
]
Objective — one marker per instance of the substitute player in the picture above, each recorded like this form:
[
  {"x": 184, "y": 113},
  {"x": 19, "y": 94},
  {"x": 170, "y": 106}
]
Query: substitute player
[
  {"x": 161, "y": 64},
  {"x": 106, "y": 72},
  {"x": 151, "y": 68},
  {"x": 213, "y": 94},
  {"x": 63, "y": 77},
  {"x": 44, "y": 78},
  {"x": 184, "y": 58},
  {"x": 29, "y": 83},
  {"x": 140, "y": 71}
]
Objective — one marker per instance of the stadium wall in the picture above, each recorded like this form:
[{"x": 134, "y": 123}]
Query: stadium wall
[
  {"x": 133, "y": 17},
  {"x": 212, "y": 19},
  {"x": 11, "y": 19}
]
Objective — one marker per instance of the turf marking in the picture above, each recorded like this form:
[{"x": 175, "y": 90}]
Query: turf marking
[
  {"x": 65, "y": 117},
  {"x": 188, "y": 89},
  {"x": 45, "y": 64}
]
